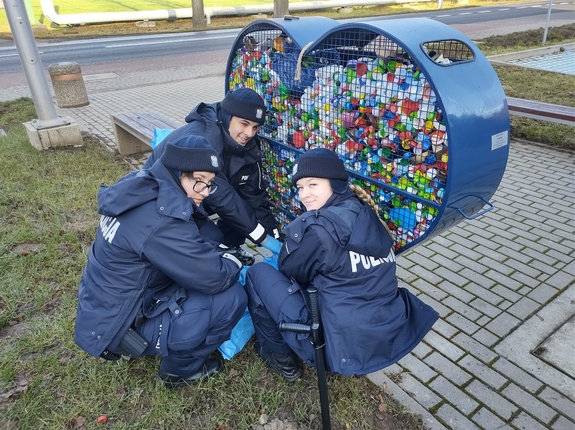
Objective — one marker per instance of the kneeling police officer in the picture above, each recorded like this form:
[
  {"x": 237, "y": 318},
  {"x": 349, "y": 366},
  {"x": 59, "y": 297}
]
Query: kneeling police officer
[{"x": 156, "y": 282}]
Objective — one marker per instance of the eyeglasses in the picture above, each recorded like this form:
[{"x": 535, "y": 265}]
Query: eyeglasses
[{"x": 201, "y": 186}]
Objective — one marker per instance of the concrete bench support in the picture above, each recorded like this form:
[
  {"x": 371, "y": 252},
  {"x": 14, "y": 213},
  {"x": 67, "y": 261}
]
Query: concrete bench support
[{"x": 135, "y": 130}]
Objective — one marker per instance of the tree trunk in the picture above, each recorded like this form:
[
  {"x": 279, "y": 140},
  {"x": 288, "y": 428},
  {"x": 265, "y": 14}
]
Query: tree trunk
[
  {"x": 281, "y": 8},
  {"x": 198, "y": 15}
]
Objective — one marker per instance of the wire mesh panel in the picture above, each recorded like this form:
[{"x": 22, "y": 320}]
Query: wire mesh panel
[{"x": 363, "y": 95}]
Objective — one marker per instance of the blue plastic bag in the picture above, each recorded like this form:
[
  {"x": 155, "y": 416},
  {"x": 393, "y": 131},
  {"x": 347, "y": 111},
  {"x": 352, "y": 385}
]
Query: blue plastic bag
[
  {"x": 159, "y": 135},
  {"x": 244, "y": 329}
]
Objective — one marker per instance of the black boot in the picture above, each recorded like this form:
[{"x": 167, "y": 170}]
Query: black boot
[
  {"x": 210, "y": 368},
  {"x": 287, "y": 364}
]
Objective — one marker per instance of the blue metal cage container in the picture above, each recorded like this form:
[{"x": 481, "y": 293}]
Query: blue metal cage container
[{"x": 411, "y": 106}]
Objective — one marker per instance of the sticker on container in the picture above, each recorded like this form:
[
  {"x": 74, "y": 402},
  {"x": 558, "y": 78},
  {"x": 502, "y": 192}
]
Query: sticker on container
[{"x": 499, "y": 140}]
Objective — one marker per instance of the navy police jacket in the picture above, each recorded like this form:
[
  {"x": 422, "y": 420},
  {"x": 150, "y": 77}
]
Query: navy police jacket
[
  {"x": 241, "y": 168},
  {"x": 345, "y": 252},
  {"x": 148, "y": 254}
]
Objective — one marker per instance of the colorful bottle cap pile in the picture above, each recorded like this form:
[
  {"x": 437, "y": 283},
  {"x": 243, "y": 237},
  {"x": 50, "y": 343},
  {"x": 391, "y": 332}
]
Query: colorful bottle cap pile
[{"x": 376, "y": 110}]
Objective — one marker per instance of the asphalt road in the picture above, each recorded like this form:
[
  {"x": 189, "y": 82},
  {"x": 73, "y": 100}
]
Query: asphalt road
[
  {"x": 121, "y": 55},
  {"x": 475, "y": 22}
]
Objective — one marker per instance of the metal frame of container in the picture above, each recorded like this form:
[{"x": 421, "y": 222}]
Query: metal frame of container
[{"x": 468, "y": 97}]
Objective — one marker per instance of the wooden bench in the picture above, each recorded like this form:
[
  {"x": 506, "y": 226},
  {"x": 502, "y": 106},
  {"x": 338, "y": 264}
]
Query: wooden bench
[
  {"x": 134, "y": 130},
  {"x": 540, "y": 110}
]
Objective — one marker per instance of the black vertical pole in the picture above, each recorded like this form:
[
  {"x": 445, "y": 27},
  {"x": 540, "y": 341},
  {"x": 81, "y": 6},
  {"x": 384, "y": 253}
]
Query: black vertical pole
[{"x": 318, "y": 344}]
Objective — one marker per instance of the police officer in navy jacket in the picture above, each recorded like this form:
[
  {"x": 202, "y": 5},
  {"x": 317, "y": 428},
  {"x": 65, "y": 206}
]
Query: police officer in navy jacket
[
  {"x": 241, "y": 201},
  {"x": 341, "y": 247},
  {"x": 156, "y": 282}
]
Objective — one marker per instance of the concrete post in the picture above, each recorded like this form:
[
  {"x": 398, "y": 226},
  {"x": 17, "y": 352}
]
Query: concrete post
[
  {"x": 58, "y": 131},
  {"x": 68, "y": 85}
]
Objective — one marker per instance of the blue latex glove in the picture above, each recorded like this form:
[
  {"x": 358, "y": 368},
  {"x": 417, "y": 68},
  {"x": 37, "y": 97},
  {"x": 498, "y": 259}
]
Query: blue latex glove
[{"x": 272, "y": 244}]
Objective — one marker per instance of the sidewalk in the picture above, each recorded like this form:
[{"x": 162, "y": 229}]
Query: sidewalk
[{"x": 502, "y": 283}]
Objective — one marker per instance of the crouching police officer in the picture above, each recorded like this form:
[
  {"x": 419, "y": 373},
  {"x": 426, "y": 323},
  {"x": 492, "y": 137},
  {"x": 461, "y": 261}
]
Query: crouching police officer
[
  {"x": 156, "y": 282},
  {"x": 242, "y": 203}
]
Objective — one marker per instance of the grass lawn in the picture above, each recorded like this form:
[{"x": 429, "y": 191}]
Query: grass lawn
[{"x": 47, "y": 222}]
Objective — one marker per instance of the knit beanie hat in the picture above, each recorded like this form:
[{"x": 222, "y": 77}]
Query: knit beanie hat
[
  {"x": 190, "y": 154},
  {"x": 245, "y": 103},
  {"x": 321, "y": 163}
]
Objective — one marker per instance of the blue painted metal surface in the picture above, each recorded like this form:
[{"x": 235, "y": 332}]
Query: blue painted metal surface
[{"x": 373, "y": 92}]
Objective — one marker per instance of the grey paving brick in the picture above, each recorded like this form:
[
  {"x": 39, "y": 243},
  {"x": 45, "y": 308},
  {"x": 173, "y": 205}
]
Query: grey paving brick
[
  {"x": 423, "y": 395},
  {"x": 448, "y": 368},
  {"x": 506, "y": 293},
  {"x": 559, "y": 251},
  {"x": 483, "y": 372},
  {"x": 470, "y": 265},
  {"x": 495, "y": 266},
  {"x": 422, "y": 350},
  {"x": 529, "y": 402},
  {"x": 427, "y": 275},
  {"x": 486, "y": 337},
  {"x": 454, "y": 395},
  {"x": 485, "y": 308},
  {"x": 518, "y": 375},
  {"x": 484, "y": 319},
  {"x": 462, "y": 308},
  {"x": 441, "y": 253},
  {"x": 507, "y": 243},
  {"x": 503, "y": 278},
  {"x": 454, "y": 419},
  {"x": 420, "y": 253},
  {"x": 557, "y": 218},
  {"x": 394, "y": 369},
  {"x": 479, "y": 231},
  {"x": 445, "y": 329},
  {"x": 417, "y": 368},
  {"x": 422, "y": 262},
  {"x": 456, "y": 289},
  {"x": 516, "y": 256},
  {"x": 559, "y": 402},
  {"x": 492, "y": 400},
  {"x": 427, "y": 288},
  {"x": 443, "y": 345},
  {"x": 450, "y": 266},
  {"x": 475, "y": 348},
  {"x": 462, "y": 323},
  {"x": 441, "y": 242},
  {"x": 487, "y": 420},
  {"x": 537, "y": 247},
  {"x": 503, "y": 324},
  {"x": 507, "y": 233},
  {"x": 479, "y": 280},
  {"x": 525, "y": 422},
  {"x": 529, "y": 281},
  {"x": 504, "y": 305},
  {"x": 523, "y": 308},
  {"x": 563, "y": 423},
  {"x": 484, "y": 293},
  {"x": 463, "y": 250},
  {"x": 525, "y": 269},
  {"x": 525, "y": 233},
  {"x": 543, "y": 293},
  {"x": 563, "y": 278},
  {"x": 542, "y": 262}
]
